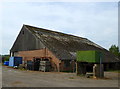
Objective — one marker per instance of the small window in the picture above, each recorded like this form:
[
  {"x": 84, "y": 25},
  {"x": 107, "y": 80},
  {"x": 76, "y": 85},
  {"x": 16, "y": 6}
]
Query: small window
[{"x": 22, "y": 32}]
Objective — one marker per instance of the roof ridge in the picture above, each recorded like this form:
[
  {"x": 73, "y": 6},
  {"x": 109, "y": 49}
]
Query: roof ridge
[
  {"x": 54, "y": 31},
  {"x": 76, "y": 37}
]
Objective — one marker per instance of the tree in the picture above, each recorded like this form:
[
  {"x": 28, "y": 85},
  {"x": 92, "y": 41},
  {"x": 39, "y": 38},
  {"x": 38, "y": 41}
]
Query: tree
[
  {"x": 115, "y": 50},
  {"x": 5, "y": 58}
]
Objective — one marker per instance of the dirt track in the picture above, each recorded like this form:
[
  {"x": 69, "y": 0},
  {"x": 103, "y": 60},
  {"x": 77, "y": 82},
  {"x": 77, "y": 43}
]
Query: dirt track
[{"x": 18, "y": 78}]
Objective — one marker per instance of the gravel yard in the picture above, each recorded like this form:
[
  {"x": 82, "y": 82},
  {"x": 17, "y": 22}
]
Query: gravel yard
[{"x": 21, "y": 78}]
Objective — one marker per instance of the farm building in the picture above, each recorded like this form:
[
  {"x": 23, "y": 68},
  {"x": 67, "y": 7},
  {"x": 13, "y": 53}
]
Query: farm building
[{"x": 35, "y": 44}]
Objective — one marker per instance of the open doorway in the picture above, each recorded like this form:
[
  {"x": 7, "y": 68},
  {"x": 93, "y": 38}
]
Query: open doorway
[
  {"x": 89, "y": 67},
  {"x": 36, "y": 64}
]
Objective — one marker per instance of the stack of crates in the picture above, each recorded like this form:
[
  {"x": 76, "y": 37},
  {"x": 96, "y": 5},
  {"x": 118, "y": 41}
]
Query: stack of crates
[{"x": 44, "y": 66}]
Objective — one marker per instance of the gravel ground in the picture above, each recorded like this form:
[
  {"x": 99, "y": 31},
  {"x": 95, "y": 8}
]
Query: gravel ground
[{"x": 19, "y": 78}]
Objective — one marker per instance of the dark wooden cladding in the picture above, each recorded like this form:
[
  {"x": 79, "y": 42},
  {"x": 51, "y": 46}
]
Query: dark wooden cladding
[{"x": 26, "y": 41}]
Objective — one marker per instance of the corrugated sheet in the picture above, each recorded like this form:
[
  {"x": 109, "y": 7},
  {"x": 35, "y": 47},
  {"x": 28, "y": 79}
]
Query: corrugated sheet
[{"x": 64, "y": 46}]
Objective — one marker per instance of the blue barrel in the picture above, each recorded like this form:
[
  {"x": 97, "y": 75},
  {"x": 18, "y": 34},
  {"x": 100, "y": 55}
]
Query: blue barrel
[{"x": 6, "y": 63}]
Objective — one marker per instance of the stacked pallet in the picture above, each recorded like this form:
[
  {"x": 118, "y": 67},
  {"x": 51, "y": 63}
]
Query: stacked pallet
[{"x": 44, "y": 66}]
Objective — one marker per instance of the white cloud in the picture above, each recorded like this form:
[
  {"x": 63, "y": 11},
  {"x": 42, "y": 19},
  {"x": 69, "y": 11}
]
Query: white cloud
[{"x": 95, "y": 21}]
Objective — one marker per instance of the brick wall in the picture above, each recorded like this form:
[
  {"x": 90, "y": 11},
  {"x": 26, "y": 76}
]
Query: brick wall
[
  {"x": 29, "y": 55},
  {"x": 56, "y": 64}
]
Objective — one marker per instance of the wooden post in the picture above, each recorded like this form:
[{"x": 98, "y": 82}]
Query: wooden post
[
  {"x": 76, "y": 67},
  {"x": 98, "y": 71}
]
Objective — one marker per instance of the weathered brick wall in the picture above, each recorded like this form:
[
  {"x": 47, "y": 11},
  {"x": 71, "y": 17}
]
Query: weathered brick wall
[
  {"x": 31, "y": 54},
  {"x": 28, "y": 55},
  {"x": 56, "y": 64},
  {"x": 54, "y": 61}
]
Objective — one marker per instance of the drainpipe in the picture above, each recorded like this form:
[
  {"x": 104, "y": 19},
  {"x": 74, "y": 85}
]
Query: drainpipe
[{"x": 101, "y": 69}]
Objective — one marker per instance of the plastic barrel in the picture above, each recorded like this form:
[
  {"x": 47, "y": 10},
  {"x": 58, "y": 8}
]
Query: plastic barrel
[{"x": 6, "y": 63}]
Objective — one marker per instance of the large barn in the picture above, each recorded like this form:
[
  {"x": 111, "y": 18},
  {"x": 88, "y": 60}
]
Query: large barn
[{"x": 58, "y": 48}]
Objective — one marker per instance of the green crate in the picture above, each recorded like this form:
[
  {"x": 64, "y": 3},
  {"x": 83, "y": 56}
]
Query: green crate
[{"x": 89, "y": 56}]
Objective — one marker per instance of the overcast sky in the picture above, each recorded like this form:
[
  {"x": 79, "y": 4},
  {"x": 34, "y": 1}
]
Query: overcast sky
[{"x": 97, "y": 21}]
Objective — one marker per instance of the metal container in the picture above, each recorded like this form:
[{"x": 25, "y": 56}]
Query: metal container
[
  {"x": 15, "y": 61},
  {"x": 89, "y": 56}
]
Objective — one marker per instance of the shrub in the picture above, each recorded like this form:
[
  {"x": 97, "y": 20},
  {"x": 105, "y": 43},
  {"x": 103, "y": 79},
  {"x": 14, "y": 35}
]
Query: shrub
[{"x": 5, "y": 58}]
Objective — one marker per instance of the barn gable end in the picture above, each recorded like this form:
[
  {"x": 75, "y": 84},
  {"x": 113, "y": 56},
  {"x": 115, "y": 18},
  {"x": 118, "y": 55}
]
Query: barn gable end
[{"x": 26, "y": 41}]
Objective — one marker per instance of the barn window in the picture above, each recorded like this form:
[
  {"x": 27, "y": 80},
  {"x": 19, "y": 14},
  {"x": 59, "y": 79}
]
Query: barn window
[{"x": 22, "y": 32}]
